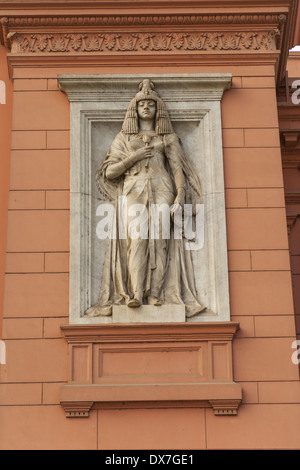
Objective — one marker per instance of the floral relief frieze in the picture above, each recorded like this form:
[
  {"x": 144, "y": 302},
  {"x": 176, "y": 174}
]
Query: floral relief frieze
[{"x": 145, "y": 42}]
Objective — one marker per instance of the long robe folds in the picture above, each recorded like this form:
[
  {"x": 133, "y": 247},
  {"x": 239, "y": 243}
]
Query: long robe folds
[{"x": 147, "y": 262}]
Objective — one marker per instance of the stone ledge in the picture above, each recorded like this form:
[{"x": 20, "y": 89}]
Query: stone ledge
[
  {"x": 144, "y": 332},
  {"x": 78, "y": 400}
]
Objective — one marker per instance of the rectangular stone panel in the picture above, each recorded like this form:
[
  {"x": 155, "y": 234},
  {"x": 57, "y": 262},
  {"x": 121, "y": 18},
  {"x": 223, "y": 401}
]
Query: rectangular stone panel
[
  {"x": 220, "y": 361},
  {"x": 165, "y": 362},
  {"x": 80, "y": 363}
]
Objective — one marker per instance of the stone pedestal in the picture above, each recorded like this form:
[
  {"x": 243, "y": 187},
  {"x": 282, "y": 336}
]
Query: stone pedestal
[{"x": 148, "y": 314}]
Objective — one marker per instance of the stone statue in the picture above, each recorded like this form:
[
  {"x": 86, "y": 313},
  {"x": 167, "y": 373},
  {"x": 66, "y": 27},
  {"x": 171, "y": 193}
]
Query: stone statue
[{"x": 146, "y": 166}]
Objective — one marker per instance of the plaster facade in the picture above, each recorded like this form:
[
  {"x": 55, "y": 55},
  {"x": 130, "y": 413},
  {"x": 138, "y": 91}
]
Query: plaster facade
[{"x": 249, "y": 42}]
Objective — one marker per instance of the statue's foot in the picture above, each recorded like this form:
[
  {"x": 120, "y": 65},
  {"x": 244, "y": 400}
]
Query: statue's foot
[
  {"x": 98, "y": 311},
  {"x": 191, "y": 311},
  {"x": 152, "y": 300},
  {"x": 134, "y": 303}
]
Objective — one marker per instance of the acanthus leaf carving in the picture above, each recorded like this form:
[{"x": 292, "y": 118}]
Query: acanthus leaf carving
[
  {"x": 178, "y": 39},
  {"x": 230, "y": 42},
  {"x": 160, "y": 42},
  {"x": 76, "y": 41},
  {"x": 269, "y": 40},
  {"x": 145, "y": 42},
  {"x": 195, "y": 41},
  {"x": 92, "y": 43},
  {"x": 110, "y": 41},
  {"x": 126, "y": 42},
  {"x": 213, "y": 40}
]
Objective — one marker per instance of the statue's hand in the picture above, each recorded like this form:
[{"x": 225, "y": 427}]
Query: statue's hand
[
  {"x": 178, "y": 203},
  {"x": 141, "y": 154},
  {"x": 180, "y": 198}
]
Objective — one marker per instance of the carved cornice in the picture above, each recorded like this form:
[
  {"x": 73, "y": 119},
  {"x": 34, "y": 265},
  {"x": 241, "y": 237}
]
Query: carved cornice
[
  {"x": 34, "y": 37},
  {"x": 292, "y": 197},
  {"x": 143, "y": 33},
  {"x": 290, "y": 138},
  {"x": 145, "y": 20},
  {"x": 289, "y": 126},
  {"x": 291, "y": 220},
  {"x": 291, "y": 161}
]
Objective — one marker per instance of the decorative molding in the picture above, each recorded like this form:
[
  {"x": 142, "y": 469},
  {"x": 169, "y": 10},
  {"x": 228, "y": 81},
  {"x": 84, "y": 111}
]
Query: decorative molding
[
  {"x": 290, "y": 137},
  {"x": 93, "y": 39},
  {"x": 290, "y": 163},
  {"x": 77, "y": 410},
  {"x": 160, "y": 333},
  {"x": 291, "y": 220},
  {"x": 225, "y": 407},
  {"x": 202, "y": 30},
  {"x": 4, "y": 33},
  {"x": 211, "y": 32},
  {"x": 106, "y": 88},
  {"x": 292, "y": 197},
  {"x": 145, "y": 20},
  {"x": 146, "y": 42}
]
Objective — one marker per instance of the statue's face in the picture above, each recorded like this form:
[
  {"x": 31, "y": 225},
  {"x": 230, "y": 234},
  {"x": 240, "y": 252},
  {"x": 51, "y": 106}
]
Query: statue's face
[{"x": 146, "y": 109}]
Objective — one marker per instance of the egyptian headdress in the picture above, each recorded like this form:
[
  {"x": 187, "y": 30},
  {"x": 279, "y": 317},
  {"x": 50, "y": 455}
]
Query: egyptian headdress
[{"x": 163, "y": 127}]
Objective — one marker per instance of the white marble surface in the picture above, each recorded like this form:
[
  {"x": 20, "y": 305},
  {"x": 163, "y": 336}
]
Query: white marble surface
[{"x": 149, "y": 314}]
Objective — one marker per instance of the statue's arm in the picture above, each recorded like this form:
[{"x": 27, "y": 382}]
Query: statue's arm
[
  {"x": 114, "y": 170},
  {"x": 172, "y": 151},
  {"x": 180, "y": 184}
]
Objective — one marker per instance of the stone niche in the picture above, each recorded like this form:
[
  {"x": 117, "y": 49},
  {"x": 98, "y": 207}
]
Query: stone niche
[
  {"x": 170, "y": 361},
  {"x": 98, "y": 105}
]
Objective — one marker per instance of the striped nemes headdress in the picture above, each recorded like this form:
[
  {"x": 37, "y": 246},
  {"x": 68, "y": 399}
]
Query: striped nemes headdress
[{"x": 162, "y": 121}]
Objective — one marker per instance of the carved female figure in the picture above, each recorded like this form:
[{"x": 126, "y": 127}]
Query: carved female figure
[{"x": 147, "y": 166}]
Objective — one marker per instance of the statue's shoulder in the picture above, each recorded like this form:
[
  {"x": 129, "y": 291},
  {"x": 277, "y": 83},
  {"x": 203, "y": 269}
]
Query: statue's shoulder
[
  {"x": 121, "y": 135},
  {"x": 171, "y": 138},
  {"x": 120, "y": 138}
]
